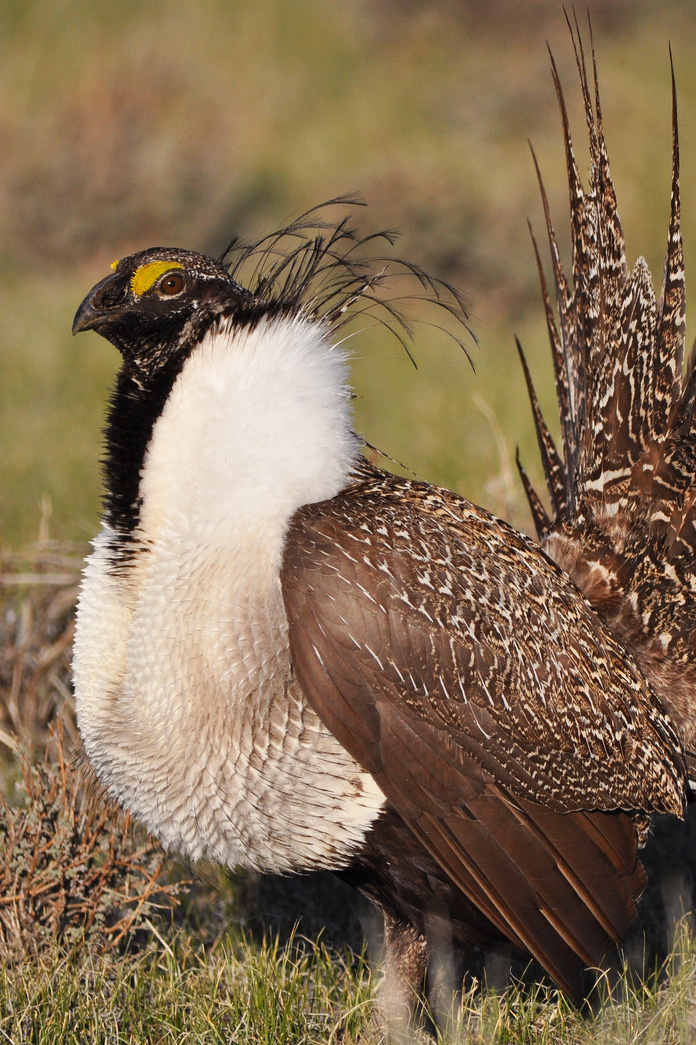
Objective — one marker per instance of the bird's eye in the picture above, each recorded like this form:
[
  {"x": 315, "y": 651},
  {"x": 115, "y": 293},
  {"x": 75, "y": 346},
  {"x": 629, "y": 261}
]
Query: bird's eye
[{"x": 172, "y": 283}]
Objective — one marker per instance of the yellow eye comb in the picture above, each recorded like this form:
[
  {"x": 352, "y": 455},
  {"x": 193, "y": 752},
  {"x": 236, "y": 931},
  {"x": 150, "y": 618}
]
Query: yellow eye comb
[{"x": 143, "y": 278}]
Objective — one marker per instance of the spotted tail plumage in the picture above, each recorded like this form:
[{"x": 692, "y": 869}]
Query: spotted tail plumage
[{"x": 622, "y": 520}]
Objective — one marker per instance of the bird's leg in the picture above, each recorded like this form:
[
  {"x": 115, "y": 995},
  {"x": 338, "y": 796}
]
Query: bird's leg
[
  {"x": 405, "y": 960},
  {"x": 440, "y": 984}
]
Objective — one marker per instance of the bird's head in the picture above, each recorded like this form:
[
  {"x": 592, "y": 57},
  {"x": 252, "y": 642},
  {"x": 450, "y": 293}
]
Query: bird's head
[{"x": 154, "y": 303}]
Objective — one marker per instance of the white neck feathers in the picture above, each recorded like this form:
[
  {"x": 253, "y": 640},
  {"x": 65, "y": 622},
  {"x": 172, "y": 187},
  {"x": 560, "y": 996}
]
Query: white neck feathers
[{"x": 257, "y": 424}]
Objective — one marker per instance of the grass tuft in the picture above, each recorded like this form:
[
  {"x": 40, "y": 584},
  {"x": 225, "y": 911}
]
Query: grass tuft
[{"x": 72, "y": 869}]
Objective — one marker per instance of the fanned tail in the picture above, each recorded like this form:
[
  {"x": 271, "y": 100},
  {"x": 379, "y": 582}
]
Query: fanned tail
[{"x": 622, "y": 490}]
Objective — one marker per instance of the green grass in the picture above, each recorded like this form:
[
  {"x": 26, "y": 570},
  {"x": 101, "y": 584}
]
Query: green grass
[
  {"x": 302, "y": 993},
  {"x": 171, "y": 992}
]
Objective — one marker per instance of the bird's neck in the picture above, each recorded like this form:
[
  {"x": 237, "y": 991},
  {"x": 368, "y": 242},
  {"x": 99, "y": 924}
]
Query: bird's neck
[{"x": 256, "y": 423}]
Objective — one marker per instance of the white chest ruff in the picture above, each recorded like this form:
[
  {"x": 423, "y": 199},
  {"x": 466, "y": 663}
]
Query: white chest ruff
[
  {"x": 184, "y": 693},
  {"x": 192, "y": 721}
]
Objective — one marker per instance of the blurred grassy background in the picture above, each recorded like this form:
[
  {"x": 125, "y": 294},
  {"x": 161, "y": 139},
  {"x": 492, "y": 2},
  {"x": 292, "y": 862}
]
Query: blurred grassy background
[{"x": 129, "y": 125}]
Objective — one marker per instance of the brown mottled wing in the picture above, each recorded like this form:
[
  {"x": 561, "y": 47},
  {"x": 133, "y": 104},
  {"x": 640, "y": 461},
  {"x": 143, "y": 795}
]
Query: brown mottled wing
[{"x": 471, "y": 679}]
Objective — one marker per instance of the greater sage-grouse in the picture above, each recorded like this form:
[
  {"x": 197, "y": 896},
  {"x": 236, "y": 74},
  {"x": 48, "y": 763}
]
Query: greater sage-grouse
[{"x": 287, "y": 659}]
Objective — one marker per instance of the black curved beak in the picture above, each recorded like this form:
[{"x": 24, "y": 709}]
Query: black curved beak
[
  {"x": 100, "y": 304},
  {"x": 87, "y": 316}
]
